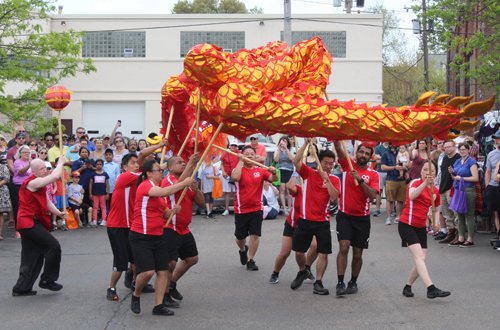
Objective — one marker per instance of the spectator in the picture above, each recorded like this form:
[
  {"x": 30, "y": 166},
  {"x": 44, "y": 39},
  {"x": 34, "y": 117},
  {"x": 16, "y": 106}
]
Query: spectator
[
  {"x": 418, "y": 157},
  {"x": 271, "y": 206},
  {"x": 105, "y": 142},
  {"x": 51, "y": 190},
  {"x": 41, "y": 141},
  {"x": 132, "y": 148},
  {"x": 60, "y": 224},
  {"x": 33, "y": 148},
  {"x": 260, "y": 150},
  {"x": 65, "y": 139},
  {"x": 208, "y": 175},
  {"x": 3, "y": 151},
  {"x": 49, "y": 140},
  {"x": 120, "y": 150},
  {"x": 395, "y": 186},
  {"x": 379, "y": 151},
  {"x": 43, "y": 155},
  {"x": 437, "y": 151},
  {"x": 19, "y": 129},
  {"x": 466, "y": 168},
  {"x": 99, "y": 192},
  {"x": 460, "y": 138},
  {"x": 284, "y": 156},
  {"x": 85, "y": 167},
  {"x": 75, "y": 196},
  {"x": 491, "y": 193},
  {"x": 291, "y": 139},
  {"x": 99, "y": 151},
  {"x": 143, "y": 144},
  {"x": 55, "y": 152},
  {"x": 228, "y": 163},
  {"x": 73, "y": 149},
  {"x": 113, "y": 171},
  {"x": 114, "y": 133},
  {"x": 11, "y": 153},
  {"x": 22, "y": 171},
  {"x": 84, "y": 143},
  {"x": 80, "y": 132},
  {"x": 310, "y": 160},
  {"x": 403, "y": 159},
  {"x": 4, "y": 192}
]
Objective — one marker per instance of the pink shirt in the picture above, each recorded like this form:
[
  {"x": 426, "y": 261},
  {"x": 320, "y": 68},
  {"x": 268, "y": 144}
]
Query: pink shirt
[{"x": 19, "y": 178}]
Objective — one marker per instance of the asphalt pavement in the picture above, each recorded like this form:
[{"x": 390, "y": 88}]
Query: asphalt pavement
[{"x": 219, "y": 293}]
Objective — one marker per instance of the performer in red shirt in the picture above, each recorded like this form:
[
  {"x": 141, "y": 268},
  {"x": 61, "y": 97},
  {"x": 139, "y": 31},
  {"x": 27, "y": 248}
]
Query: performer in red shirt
[
  {"x": 290, "y": 224},
  {"x": 248, "y": 207},
  {"x": 319, "y": 190},
  {"x": 353, "y": 218},
  {"x": 33, "y": 222},
  {"x": 146, "y": 234},
  {"x": 411, "y": 228},
  {"x": 180, "y": 240}
]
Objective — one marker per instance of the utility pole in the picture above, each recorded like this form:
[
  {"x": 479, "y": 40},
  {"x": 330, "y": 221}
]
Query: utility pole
[
  {"x": 426, "y": 50},
  {"x": 288, "y": 22},
  {"x": 348, "y": 6}
]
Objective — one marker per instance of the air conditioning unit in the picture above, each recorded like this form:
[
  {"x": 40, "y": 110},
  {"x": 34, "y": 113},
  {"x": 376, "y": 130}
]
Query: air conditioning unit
[{"x": 128, "y": 52}]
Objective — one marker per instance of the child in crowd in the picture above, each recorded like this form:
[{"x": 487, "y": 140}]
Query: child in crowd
[
  {"x": 99, "y": 192},
  {"x": 75, "y": 196},
  {"x": 113, "y": 171},
  {"x": 208, "y": 175},
  {"x": 269, "y": 197},
  {"x": 73, "y": 149},
  {"x": 402, "y": 159},
  {"x": 59, "y": 200}
]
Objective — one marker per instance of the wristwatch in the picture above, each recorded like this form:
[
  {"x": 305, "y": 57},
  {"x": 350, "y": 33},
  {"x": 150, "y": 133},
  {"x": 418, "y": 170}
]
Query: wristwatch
[{"x": 361, "y": 181}]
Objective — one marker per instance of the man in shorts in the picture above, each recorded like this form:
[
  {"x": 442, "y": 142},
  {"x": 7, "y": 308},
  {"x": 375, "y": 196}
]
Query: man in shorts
[
  {"x": 395, "y": 186},
  {"x": 314, "y": 219},
  {"x": 248, "y": 206},
  {"x": 353, "y": 219},
  {"x": 379, "y": 151},
  {"x": 180, "y": 240}
]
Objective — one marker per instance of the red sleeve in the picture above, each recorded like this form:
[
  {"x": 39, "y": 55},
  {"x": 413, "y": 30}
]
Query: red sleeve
[
  {"x": 345, "y": 164},
  {"x": 298, "y": 190},
  {"x": 336, "y": 182},
  {"x": 305, "y": 171},
  {"x": 374, "y": 181},
  {"x": 265, "y": 174}
]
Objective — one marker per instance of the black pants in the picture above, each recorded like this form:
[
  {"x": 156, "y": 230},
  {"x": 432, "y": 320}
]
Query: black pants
[
  {"x": 14, "y": 197},
  {"x": 37, "y": 244}
]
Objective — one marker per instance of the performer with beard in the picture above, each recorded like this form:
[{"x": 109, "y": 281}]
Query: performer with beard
[{"x": 353, "y": 219}]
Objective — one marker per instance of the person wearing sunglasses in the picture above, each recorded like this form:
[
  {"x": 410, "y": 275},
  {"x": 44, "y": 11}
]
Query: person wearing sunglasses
[
  {"x": 19, "y": 129},
  {"x": 80, "y": 132},
  {"x": 33, "y": 144},
  {"x": 3, "y": 151},
  {"x": 11, "y": 153},
  {"x": 260, "y": 150},
  {"x": 43, "y": 154},
  {"x": 49, "y": 140},
  {"x": 120, "y": 150}
]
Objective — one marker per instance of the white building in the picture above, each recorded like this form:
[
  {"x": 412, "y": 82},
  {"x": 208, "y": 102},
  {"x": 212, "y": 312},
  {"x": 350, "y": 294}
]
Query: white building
[{"x": 135, "y": 55}]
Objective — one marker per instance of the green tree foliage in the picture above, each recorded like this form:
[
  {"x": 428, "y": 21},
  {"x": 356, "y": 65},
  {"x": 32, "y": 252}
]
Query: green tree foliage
[
  {"x": 31, "y": 61},
  {"x": 213, "y": 7},
  {"x": 485, "y": 42}
]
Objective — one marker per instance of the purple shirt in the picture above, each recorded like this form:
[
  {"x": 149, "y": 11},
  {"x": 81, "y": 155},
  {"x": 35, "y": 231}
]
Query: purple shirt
[{"x": 19, "y": 178}]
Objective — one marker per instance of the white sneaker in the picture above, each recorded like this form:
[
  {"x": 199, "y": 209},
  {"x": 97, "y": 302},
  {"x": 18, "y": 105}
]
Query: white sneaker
[
  {"x": 103, "y": 223},
  {"x": 396, "y": 220},
  {"x": 226, "y": 212},
  {"x": 389, "y": 221}
]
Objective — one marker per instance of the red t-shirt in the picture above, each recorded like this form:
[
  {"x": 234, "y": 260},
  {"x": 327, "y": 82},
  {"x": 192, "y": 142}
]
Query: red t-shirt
[
  {"x": 353, "y": 200},
  {"x": 59, "y": 184},
  {"x": 148, "y": 211},
  {"x": 293, "y": 216},
  {"x": 415, "y": 211},
  {"x": 248, "y": 190},
  {"x": 229, "y": 164},
  {"x": 10, "y": 155},
  {"x": 121, "y": 211},
  {"x": 32, "y": 204},
  {"x": 180, "y": 221},
  {"x": 315, "y": 204}
]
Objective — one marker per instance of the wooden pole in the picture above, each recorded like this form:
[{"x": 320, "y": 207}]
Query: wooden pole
[
  {"x": 297, "y": 149},
  {"x": 186, "y": 139},
  {"x": 430, "y": 173},
  {"x": 196, "y": 170},
  {"x": 62, "y": 155},
  {"x": 320, "y": 169},
  {"x": 169, "y": 125},
  {"x": 198, "y": 122},
  {"x": 248, "y": 160}
]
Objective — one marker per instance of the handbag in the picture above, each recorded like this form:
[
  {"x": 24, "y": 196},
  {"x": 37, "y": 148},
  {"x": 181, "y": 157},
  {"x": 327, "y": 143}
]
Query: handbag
[
  {"x": 217, "y": 189},
  {"x": 452, "y": 189},
  {"x": 71, "y": 222},
  {"x": 458, "y": 202},
  {"x": 230, "y": 181},
  {"x": 278, "y": 173}
]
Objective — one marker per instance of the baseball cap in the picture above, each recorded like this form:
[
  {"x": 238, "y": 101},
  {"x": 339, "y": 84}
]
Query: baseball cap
[
  {"x": 497, "y": 134},
  {"x": 1, "y": 137},
  {"x": 233, "y": 143},
  {"x": 48, "y": 165},
  {"x": 104, "y": 136},
  {"x": 20, "y": 134},
  {"x": 254, "y": 136},
  {"x": 75, "y": 174}
]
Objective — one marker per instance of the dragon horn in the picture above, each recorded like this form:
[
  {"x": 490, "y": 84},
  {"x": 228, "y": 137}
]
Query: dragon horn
[
  {"x": 477, "y": 109},
  {"x": 466, "y": 125},
  {"x": 424, "y": 98},
  {"x": 451, "y": 136},
  {"x": 440, "y": 99},
  {"x": 458, "y": 101}
]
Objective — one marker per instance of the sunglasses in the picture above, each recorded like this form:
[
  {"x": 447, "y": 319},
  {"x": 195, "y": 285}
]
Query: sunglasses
[
  {"x": 251, "y": 139},
  {"x": 43, "y": 153},
  {"x": 80, "y": 132},
  {"x": 118, "y": 141},
  {"x": 32, "y": 145}
]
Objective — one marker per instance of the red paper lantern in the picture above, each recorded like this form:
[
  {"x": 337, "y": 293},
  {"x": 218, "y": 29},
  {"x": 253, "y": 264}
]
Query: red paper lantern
[{"x": 58, "y": 97}]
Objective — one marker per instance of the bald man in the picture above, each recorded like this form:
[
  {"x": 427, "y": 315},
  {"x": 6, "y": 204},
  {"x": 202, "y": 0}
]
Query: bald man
[{"x": 34, "y": 225}]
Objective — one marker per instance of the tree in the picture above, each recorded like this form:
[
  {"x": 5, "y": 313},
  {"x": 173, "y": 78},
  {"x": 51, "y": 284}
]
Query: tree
[
  {"x": 32, "y": 61},
  {"x": 213, "y": 7},
  {"x": 483, "y": 38}
]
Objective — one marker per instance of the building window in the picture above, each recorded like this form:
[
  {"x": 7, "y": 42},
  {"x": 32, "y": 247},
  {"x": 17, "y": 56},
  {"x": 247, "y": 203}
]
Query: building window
[
  {"x": 335, "y": 41},
  {"x": 233, "y": 41},
  {"x": 114, "y": 44}
]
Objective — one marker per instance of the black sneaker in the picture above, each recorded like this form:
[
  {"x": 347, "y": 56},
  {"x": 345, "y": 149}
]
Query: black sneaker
[
  {"x": 310, "y": 278},
  {"x": 340, "y": 289},
  {"x": 440, "y": 236},
  {"x": 148, "y": 288},
  {"x": 174, "y": 293},
  {"x": 319, "y": 289},
  {"x": 393, "y": 213},
  {"x": 352, "y": 288},
  {"x": 129, "y": 277},
  {"x": 377, "y": 213},
  {"x": 274, "y": 278},
  {"x": 162, "y": 310},
  {"x": 111, "y": 295},
  {"x": 437, "y": 294},
  {"x": 251, "y": 265},
  {"x": 23, "y": 293},
  {"x": 244, "y": 256},
  {"x": 52, "y": 286},
  {"x": 169, "y": 302},
  {"x": 135, "y": 305},
  {"x": 407, "y": 292},
  {"x": 297, "y": 282},
  {"x": 211, "y": 216}
]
